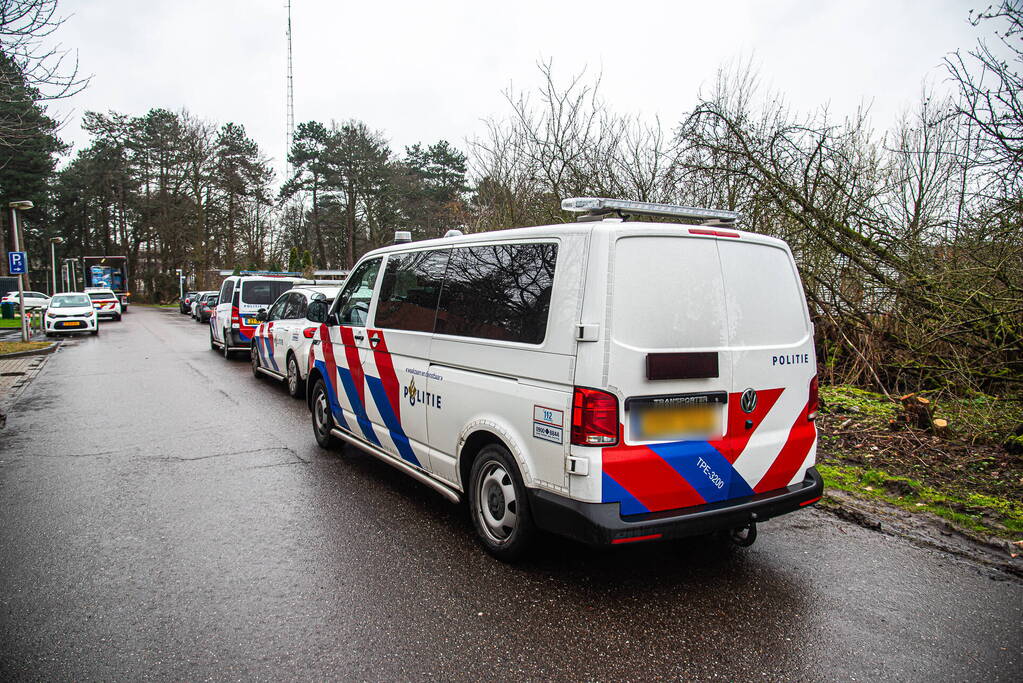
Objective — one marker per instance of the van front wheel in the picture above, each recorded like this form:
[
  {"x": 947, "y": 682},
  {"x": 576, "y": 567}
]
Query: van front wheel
[
  {"x": 323, "y": 421},
  {"x": 498, "y": 504}
]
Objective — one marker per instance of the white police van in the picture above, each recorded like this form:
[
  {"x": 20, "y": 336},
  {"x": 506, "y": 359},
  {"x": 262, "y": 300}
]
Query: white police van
[
  {"x": 233, "y": 322},
  {"x": 607, "y": 380},
  {"x": 280, "y": 347}
]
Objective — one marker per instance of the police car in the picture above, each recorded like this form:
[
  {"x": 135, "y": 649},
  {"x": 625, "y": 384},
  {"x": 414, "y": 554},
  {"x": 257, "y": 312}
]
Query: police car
[
  {"x": 70, "y": 312},
  {"x": 612, "y": 381},
  {"x": 233, "y": 322},
  {"x": 280, "y": 347},
  {"x": 105, "y": 302}
]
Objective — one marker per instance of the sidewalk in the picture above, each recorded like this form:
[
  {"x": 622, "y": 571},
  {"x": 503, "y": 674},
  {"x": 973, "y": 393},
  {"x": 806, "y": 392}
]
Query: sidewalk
[{"x": 15, "y": 375}]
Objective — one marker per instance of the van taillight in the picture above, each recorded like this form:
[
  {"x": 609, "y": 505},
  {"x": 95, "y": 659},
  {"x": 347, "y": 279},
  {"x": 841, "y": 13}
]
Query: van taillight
[
  {"x": 309, "y": 332},
  {"x": 815, "y": 398},
  {"x": 594, "y": 418}
]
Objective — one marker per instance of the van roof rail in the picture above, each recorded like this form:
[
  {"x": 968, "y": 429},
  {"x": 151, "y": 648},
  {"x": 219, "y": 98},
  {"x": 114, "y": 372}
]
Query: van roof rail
[
  {"x": 593, "y": 208},
  {"x": 269, "y": 273}
]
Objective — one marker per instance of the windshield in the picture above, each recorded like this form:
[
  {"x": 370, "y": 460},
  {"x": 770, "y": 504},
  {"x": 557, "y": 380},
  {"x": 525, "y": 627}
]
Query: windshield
[
  {"x": 70, "y": 301},
  {"x": 101, "y": 295}
]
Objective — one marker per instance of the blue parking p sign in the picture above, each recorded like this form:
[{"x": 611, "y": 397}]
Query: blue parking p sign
[{"x": 17, "y": 263}]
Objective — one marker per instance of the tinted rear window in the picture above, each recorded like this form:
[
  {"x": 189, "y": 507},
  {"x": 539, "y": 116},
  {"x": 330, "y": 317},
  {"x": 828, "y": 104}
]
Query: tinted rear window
[
  {"x": 676, "y": 292},
  {"x": 498, "y": 292},
  {"x": 263, "y": 292},
  {"x": 101, "y": 295}
]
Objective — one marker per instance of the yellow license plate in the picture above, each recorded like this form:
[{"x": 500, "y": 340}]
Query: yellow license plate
[
  {"x": 73, "y": 323},
  {"x": 251, "y": 321},
  {"x": 666, "y": 423}
]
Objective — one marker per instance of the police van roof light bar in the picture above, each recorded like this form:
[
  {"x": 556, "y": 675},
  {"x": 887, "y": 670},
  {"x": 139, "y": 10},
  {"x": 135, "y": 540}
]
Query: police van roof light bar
[
  {"x": 600, "y": 206},
  {"x": 271, "y": 273}
]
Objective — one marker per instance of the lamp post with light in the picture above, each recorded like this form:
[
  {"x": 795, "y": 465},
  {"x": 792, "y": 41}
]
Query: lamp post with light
[
  {"x": 54, "y": 241},
  {"x": 15, "y": 207}
]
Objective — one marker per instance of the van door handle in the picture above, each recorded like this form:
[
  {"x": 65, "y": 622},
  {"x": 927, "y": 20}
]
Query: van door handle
[{"x": 359, "y": 336}]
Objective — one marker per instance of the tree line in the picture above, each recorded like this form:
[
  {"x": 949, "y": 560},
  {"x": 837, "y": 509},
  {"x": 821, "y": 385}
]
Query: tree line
[{"x": 909, "y": 240}]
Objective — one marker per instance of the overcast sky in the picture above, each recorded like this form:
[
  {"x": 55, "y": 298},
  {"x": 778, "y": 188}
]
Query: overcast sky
[{"x": 423, "y": 71}]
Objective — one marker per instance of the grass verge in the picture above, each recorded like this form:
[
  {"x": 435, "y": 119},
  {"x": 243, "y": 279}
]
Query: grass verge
[
  {"x": 981, "y": 513},
  {"x": 966, "y": 476},
  {"x": 14, "y": 347},
  {"x": 10, "y": 322}
]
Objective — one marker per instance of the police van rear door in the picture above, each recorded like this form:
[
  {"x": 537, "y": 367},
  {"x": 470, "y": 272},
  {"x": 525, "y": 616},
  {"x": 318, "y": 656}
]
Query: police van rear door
[{"x": 695, "y": 317}]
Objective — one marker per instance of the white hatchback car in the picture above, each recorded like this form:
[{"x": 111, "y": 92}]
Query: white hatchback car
[
  {"x": 285, "y": 335},
  {"x": 105, "y": 302},
  {"x": 32, "y": 299},
  {"x": 71, "y": 312}
]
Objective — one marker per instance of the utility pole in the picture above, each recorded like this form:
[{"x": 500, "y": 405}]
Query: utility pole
[{"x": 291, "y": 101}]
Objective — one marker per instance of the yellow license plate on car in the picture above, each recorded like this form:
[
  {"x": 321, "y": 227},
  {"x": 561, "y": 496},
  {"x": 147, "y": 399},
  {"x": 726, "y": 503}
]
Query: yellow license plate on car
[
  {"x": 701, "y": 421},
  {"x": 251, "y": 321},
  {"x": 73, "y": 323}
]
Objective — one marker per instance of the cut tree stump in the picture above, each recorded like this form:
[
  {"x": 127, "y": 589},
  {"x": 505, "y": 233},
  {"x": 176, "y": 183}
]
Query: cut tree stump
[
  {"x": 940, "y": 426},
  {"x": 918, "y": 410}
]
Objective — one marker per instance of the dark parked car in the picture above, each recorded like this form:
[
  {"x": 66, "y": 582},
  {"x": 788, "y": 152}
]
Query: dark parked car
[
  {"x": 185, "y": 305},
  {"x": 206, "y": 306}
]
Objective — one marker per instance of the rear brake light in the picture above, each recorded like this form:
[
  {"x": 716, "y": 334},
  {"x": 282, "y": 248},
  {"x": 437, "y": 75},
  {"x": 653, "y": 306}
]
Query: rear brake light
[
  {"x": 814, "y": 402},
  {"x": 714, "y": 233},
  {"x": 594, "y": 418},
  {"x": 309, "y": 332}
]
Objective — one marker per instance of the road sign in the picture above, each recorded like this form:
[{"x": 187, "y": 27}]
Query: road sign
[{"x": 17, "y": 263}]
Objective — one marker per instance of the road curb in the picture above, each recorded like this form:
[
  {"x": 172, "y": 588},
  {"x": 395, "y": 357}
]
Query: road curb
[{"x": 37, "y": 352}]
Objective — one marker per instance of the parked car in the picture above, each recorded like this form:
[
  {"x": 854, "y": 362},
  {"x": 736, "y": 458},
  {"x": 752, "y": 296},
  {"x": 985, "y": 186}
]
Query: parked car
[
  {"x": 32, "y": 299},
  {"x": 280, "y": 346},
  {"x": 185, "y": 303},
  {"x": 105, "y": 301},
  {"x": 234, "y": 322},
  {"x": 70, "y": 312},
  {"x": 196, "y": 301},
  {"x": 614, "y": 382},
  {"x": 206, "y": 306}
]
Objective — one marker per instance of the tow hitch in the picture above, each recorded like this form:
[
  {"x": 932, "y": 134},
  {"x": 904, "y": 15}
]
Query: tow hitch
[{"x": 744, "y": 536}]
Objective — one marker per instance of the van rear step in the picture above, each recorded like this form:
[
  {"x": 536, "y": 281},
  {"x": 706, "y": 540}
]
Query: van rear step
[{"x": 601, "y": 523}]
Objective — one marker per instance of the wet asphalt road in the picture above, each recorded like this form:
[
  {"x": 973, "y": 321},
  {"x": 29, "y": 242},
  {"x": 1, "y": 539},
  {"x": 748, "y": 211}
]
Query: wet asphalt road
[{"x": 165, "y": 515}]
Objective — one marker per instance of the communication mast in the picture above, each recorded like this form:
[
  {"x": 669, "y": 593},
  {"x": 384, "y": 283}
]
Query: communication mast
[{"x": 291, "y": 100}]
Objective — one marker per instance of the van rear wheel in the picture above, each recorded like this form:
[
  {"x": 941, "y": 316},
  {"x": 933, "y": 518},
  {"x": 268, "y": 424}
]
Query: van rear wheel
[
  {"x": 323, "y": 421},
  {"x": 295, "y": 383},
  {"x": 498, "y": 504}
]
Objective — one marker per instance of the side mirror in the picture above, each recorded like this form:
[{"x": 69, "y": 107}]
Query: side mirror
[
  {"x": 261, "y": 315},
  {"x": 317, "y": 311}
]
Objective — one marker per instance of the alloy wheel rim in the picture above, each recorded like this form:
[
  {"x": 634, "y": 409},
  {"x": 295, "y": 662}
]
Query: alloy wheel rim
[
  {"x": 292, "y": 375},
  {"x": 496, "y": 502}
]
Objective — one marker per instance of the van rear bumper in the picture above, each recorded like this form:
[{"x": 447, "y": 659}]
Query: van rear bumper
[{"x": 601, "y": 523}]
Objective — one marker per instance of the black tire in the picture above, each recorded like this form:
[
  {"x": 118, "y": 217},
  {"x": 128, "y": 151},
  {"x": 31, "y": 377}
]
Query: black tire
[
  {"x": 295, "y": 384},
  {"x": 117, "y": 317},
  {"x": 323, "y": 421},
  {"x": 495, "y": 492},
  {"x": 226, "y": 348},
  {"x": 254, "y": 358},
  {"x": 213, "y": 344},
  {"x": 95, "y": 332}
]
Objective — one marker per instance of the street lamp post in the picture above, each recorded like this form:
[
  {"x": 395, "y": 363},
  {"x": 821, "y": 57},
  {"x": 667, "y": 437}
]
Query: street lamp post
[
  {"x": 15, "y": 207},
  {"x": 54, "y": 241},
  {"x": 181, "y": 285}
]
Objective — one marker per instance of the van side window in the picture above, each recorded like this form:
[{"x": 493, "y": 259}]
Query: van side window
[
  {"x": 226, "y": 291},
  {"x": 498, "y": 292},
  {"x": 352, "y": 305},
  {"x": 409, "y": 290},
  {"x": 276, "y": 311},
  {"x": 296, "y": 306}
]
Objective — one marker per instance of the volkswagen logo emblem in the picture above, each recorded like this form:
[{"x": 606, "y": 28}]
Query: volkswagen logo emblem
[{"x": 748, "y": 401}]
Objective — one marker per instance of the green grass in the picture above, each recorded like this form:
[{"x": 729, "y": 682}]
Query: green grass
[
  {"x": 13, "y": 347},
  {"x": 842, "y": 398},
  {"x": 977, "y": 512},
  {"x": 12, "y": 323}
]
